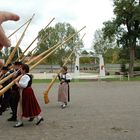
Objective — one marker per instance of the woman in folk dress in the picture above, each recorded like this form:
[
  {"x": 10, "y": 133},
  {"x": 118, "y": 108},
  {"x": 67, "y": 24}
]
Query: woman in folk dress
[
  {"x": 63, "y": 90},
  {"x": 28, "y": 106}
]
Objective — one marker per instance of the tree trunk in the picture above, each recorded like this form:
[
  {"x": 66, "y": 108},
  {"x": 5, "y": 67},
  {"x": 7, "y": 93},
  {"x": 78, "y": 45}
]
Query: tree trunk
[{"x": 132, "y": 59}]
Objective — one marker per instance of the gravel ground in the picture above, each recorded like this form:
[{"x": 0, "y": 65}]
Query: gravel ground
[{"x": 98, "y": 111}]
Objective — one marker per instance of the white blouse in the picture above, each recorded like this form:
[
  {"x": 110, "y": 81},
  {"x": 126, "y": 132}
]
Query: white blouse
[
  {"x": 67, "y": 76},
  {"x": 24, "y": 80}
]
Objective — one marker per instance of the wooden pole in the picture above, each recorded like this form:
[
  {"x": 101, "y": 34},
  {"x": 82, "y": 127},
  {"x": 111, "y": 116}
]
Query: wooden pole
[
  {"x": 17, "y": 45},
  {"x": 33, "y": 41},
  {"x": 2, "y": 91},
  {"x": 19, "y": 28},
  {"x": 57, "y": 48},
  {"x": 46, "y": 99}
]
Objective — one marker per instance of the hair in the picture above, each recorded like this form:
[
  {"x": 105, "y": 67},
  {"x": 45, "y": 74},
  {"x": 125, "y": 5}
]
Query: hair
[
  {"x": 65, "y": 68},
  {"x": 18, "y": 63},
  {"x": 25, "y": 67},
  {"x": 9, "y": 65},
  {"x": 4, "y": 68}
]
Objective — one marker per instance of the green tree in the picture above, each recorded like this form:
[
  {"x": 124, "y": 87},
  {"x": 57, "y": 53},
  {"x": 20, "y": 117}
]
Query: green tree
[
  {"x": 125, "y": 27},
  {"x": 52, "y": 36},
  {"x": 104, "y": 46},
  {"x": 100, "y": 44},
  {"x": 19, "y": 51}
]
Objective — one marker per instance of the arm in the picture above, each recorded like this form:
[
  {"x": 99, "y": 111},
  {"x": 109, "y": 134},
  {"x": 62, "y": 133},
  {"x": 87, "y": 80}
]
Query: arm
[{"x": 23, "y": 82}]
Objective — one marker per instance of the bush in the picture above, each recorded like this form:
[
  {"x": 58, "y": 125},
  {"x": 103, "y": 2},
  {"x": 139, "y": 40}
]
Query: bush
[
  {"x": 137, "y": 68},
  {"x": 123, "y": 68}
]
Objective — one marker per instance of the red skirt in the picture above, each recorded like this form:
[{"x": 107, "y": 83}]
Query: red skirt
[{"x": 30, "y": 105}]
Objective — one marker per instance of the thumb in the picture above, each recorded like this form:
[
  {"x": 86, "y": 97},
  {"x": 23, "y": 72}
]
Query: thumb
[{"x": 4, "y": 16}]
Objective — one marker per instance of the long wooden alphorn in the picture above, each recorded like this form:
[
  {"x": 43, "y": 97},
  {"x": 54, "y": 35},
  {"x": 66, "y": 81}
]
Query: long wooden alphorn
[
  {"x": 57, "y": 47},
  {"x": 46, "y": 98},
  {"x": 18, "y": 43},
  {"x": 20, "y": 57},
  {"x": 13, "y": 52},
  {"x": 2, "y": 91},
  {"x": 28, "y": 63},
  {"x": 43, "y": 53},
  {"x": 19, "y": 28},
  {"x": 33, "y": 50},
  {"x": 35, "y": 47},
  {"x": 32, "y": 60}
]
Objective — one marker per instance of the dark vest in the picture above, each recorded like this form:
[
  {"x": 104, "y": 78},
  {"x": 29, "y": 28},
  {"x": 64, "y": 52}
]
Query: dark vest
[{"x": 30, "y": 81}]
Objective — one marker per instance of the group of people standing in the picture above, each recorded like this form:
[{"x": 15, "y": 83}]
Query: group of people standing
[{"x": 20, "y": 97}]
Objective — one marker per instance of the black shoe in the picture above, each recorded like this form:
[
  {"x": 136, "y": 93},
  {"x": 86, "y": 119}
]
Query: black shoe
[
  {"x": 65, "y": 103},
  {"x": 63, "y": 106},
  {"x": 39, "y": 121},
  {"x": 12, "y": 119},
  {"x": 31, "y": 119},
  {"x": 18, "y": 125}
]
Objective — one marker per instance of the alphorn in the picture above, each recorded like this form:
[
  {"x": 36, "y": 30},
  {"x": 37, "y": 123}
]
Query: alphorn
[
  {"x": 20, "y": 57},
  {"x": 58, "y": 47},
  {"x": 19, "y": 28},
  {"x": 18, "y": 43},
  {"x": 3, "y": 90},
  {"x": 33, "y": 50},
  {"x": 13, "y": 52},
  {"x": 46, "y": 98},
  {"x": 28, "y": 63},
  {"x": 43, "y": 53}
]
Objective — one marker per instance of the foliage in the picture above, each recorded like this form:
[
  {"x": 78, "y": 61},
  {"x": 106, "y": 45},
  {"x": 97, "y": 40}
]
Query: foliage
[
  {"x": 100, "y": 44},
  {"x": 7, "y": 52},
  {"x": 108, "y": 48},
  {"x": 57, "y": 34},
  {"x": 125, "y": 27}
]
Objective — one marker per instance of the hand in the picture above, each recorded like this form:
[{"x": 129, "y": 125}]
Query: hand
[
  {"x": 1, "y": 86},
  {"x": 5, "y": 16},
  {"x": 15, "y": 81}
]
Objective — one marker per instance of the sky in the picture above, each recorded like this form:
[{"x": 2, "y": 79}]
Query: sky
[{"x": 79, "y": 13}]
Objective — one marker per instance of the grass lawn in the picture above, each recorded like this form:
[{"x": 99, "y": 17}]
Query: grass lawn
[{"x": 137, "y": 78}]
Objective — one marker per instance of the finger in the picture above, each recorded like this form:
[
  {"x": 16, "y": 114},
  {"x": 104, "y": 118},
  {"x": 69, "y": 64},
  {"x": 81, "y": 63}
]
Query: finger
[
  {"x": 4, "y": 16},
  {"x": 4, "y": 41},
  {"x": 1, "y": 46}
]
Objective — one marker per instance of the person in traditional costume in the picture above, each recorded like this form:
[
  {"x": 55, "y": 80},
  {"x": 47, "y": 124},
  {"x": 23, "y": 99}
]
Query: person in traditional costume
[
  {"x": 63, "y": 90},
  {"x": 14, "y": 93},
  {"x": 28, "y": 106},
  {"x": 6, "y": 96}
]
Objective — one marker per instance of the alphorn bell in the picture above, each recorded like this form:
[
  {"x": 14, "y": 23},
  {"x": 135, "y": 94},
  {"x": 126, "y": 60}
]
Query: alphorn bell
[{"x": 46, "y": 99}]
